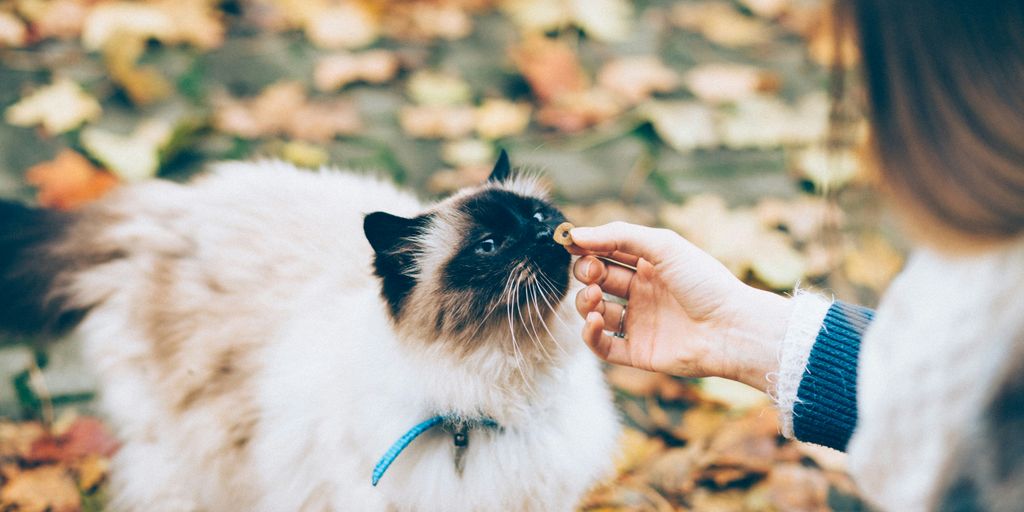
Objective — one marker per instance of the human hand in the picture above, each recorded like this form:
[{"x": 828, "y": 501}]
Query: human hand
[{"x": 686, "y": 314}]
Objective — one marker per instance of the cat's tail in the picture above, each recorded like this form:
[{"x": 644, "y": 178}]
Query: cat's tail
[{"x": 40, "y": 250}]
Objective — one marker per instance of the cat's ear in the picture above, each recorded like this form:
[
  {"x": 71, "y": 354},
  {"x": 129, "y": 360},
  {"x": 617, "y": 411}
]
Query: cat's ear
[
  {"x": 387, "y": 232},
  {"x": 502, "y": 169}
]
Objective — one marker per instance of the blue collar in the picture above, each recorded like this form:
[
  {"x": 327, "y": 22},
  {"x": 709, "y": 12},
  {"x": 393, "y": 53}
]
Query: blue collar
[{"x": 459, "y": 427}]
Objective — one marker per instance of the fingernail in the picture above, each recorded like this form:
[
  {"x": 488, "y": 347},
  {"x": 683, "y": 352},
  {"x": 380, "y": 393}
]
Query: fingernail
[{"x": 586, "y": 267}]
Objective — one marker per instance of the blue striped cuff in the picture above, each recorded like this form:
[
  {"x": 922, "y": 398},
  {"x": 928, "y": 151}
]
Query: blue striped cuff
[{"x": 826, "y": 409}]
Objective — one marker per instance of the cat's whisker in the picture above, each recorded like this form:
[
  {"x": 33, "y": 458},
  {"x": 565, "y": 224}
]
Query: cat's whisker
[
  {"x": 540, "y": 292},
  {"x": 519, "y": 359},
  {"x": 531, "y": 298},
  {"x": 554, "y": 311}
]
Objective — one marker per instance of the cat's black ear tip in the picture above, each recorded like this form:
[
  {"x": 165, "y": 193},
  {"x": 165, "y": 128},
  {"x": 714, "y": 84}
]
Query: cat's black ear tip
[{"x": 502, "y": 168}]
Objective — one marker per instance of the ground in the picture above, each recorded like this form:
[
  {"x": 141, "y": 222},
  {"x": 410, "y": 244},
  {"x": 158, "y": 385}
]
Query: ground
[{"x": 712, "y": 118}]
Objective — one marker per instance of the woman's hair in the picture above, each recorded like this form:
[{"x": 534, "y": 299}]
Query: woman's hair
[{"x": 945, "y": 94}]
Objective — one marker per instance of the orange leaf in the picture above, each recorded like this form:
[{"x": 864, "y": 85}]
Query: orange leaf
[
  {"x": 85, "y": 437},
  {"x": 47, "y": 488},
  {"x": 551, "y": 67},
  {"x": 69, "y": 181}
]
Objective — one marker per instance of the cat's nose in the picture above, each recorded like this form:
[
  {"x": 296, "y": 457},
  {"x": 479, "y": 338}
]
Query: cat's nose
[{"x": 544, "y": 231}]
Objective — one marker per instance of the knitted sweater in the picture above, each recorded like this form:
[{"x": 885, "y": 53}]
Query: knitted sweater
[{"x": 913, "y": 377}]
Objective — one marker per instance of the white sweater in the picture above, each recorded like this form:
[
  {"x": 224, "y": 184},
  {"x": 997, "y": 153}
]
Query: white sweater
[{"x": 940, "y": 337}]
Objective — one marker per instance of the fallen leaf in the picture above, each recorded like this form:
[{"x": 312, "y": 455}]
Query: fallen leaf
[
  {"x": 304, "y": 154},
  {"x": 340, "y": 69},
  {"x": 12, "y": 30},
  {"x": 573, "y": 112},
  {"x": 827, "y": 170},
  {"x": 635, "y": 449},
  {"x": 803, "y": 217},
  {"x": 58, "y": 107},
  {"x": 674, "y": 472},
  {"x": 16, "y": 438},
  {"x": 603, "y": 212},
  {"x": 603, "y": 20},
  {"x": 825, "y": 457},
  {"x": 551, "y": 67},
  {"x": 733, "y": 394},
  {"x": 43, "y": 489},
  {"x": 428, "y": 87},
  {"x": 143, "y": 85},
  {"x": 798, "y": 489},
  {"x": 168, "y": 21},
  {"x": 684, "y": 125},
  {"x": 629, "y": 497},
  {"x": 132, "y": 157},
  {"x": 742, "y": 448},
  {"x": 284, "y": 109},
  {"x": 699, "y": 423},
  {"x": 437, "y": 122},
  {"x": 62, "y": 19},
  {"x": 497, "y": 118},
  {"x": 467, "y": 152},
  {"x": 447, "y": 181},
  {"x": 637, "y": 78},
  {"x": 424, "y": 21},
  {"x": 719, "y": 82},
  {"x": 873, "y": 262},
  {"x": 86, "y": 436},
  {"x": 721, "y": 23},
  {"x": 69, "y": 181},
  {"x": 822, "y": 38},
  {"x": 346, "y": 24},
  {"x": 92, "y": 471},
  {"x": 767, "y": 8}
]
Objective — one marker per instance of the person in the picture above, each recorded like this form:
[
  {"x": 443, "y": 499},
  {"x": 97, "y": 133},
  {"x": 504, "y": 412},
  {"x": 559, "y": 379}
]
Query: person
[{"x": 926, "y": 393}]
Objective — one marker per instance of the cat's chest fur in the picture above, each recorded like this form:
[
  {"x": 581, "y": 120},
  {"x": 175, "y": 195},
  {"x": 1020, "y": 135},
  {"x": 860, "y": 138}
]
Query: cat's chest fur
[{"x": 249, "y": 363}]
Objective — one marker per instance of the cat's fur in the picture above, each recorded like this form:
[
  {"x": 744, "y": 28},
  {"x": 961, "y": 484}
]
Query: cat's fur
[{"x": 250, "y": 358}]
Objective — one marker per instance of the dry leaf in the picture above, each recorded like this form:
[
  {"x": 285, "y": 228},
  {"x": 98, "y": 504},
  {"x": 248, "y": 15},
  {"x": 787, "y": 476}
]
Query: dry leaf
[
  {"x": 497, "y": 118},
  {"x": 636, "y": 448},
  {"x": 721, "y": 23},
  {"x": 168, "y": 21},
  {"x": 798, "y": 489},
  {"x": 283, "y": 109},
  {"x": 142, "y": 84},
  {"x": 699, "y": 423},
  {"x": 803, "y": 217},
  {"x": 69, "y": 181},
  {"x": 340, "y": 69},
  {"x": 637, "y": 78},
  {"x": 341, "y": 25},
  {"x": 603, "y": 212},
  {"x": 437, "y": 122},
  {"x": 12, "y": 30},
  {"x": 86, "y": 436},
  {"x": 467, "y": 152},
  {"x": 767, "y": 8},
  {"x": 827, "y": 170},
  {"x": 428, "y": 87},
  {"x": 718, "y": 83},
  {"x": 44, "y": 489},
  {"x": 426, "y": 21},
  {"x": 92, "y": 471},
  {"x": 873, "y": 263},
  {"x": 603, "y": 20},
  {"x": 446, "y": 181},
  {"x": 58, "y": 107},
  {"x": 16, "y": 438},
  {"x": 62, "y": 19},
  {"x": 576, "y": 111},
  {"x": 630, "y": 497},
  {"x": 551, "y": 67},
  {"x": 733, "y": 394},
  {"x": 684, "y": 125},
  {"x": 132, "y": 157},
  {"x": 742, "y": 448},
  {"x": 304, "y": 154}
]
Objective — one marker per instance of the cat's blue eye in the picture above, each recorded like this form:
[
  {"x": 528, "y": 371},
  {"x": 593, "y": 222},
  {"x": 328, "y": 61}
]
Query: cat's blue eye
[
  {"x": 540, "y": 216},
  {"x": 487, "y": 246}
]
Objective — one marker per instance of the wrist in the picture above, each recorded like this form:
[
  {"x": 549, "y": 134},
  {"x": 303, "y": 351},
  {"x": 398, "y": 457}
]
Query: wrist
[{"x": 750, "y": 346}]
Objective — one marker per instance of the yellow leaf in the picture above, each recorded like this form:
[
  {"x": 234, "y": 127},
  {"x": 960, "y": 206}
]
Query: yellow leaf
[
  {"x": 466, "y": 152},
  {"x": 684, "y": 125},
  {"x": 437, "y": 122},
  {"x": 603, "y": 20},
  {"x": 497, "y": 118},
  {"x": 719, "y": 82},
  {"x": 734, "y": 394},
  {"x": 428, "y": 87},
  {"x": 47, "y": 488},
  {"x": 58, "y": 107},
  {"x": 168, "y": 21},
  {"x": 338, "y": 70},
  {"x": 133, "y": 157},
  {"x": 637, "y": 78},
  {"x": 721, "y": 23},
  {"x": 341, "y": 25},
  {"x": 12, "y": 30},
  {"x": 873, "y": 263},
  {"x": 304, "y": 154}
]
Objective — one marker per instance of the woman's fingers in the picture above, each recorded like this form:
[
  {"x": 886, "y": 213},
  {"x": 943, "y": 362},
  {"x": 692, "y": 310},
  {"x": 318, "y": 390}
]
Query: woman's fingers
[
  {"x": 611, "y": 278},
  {"x": 604, "y": 346},
  {"x": 652, "y": 244},
  {"x": 590, "y": 300}
]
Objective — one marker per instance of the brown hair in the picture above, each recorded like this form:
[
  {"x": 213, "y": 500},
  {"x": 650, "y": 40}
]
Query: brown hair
[{"x": 944, "y": 82}]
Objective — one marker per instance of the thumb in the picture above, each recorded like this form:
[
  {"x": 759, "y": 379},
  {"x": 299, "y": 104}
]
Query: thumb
[{"x": 651, "y": 244}]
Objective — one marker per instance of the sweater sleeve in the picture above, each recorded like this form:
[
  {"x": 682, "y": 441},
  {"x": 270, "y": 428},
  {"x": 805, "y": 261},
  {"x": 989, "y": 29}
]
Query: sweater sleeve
[{"x": 817, "y": 382}]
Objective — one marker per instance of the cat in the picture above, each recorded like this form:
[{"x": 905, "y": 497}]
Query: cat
[{"x": 263, "y": 335}]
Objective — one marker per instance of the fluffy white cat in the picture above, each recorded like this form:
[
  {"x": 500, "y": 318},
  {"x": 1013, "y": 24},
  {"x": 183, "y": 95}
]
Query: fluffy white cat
[{"x": 262, "y": 339}]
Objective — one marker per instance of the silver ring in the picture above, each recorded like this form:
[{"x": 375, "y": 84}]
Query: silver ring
[{"x": 621, "y": 333}]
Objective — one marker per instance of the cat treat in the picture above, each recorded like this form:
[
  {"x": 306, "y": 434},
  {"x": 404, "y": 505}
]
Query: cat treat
[{"x": 562, "y": 235}]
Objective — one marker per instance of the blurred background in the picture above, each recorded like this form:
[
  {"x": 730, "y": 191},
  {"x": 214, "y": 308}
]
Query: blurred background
[{"x": 734, "y": 122}]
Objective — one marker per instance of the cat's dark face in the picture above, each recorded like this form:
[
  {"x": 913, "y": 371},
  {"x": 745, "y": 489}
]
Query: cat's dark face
[{"x": 481, "y": 258}]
